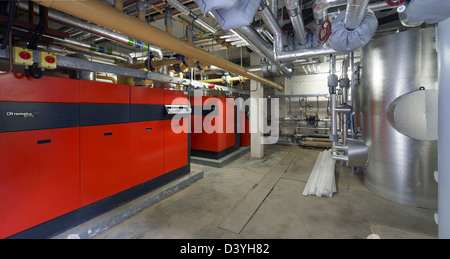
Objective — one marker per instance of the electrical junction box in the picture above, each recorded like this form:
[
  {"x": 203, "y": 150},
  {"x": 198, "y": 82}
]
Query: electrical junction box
[
  {"x": 23, "y": 56},
  {"x": 47, "y": 60}
]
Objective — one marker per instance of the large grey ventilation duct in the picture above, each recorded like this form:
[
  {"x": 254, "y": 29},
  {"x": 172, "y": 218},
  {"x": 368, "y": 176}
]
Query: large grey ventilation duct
[
  {"x": 230, "y": 14},
  {"x": 353, "y": 28},
  {"x": 429, "y": 11}
]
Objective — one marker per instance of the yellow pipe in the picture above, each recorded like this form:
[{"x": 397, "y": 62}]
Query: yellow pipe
[
  {"x": 101, "y": 14},
  {"x": 219, "y": 80}
]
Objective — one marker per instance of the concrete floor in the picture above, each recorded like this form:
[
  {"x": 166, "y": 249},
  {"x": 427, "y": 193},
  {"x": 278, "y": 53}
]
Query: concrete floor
[{"x": 197, "y": 211}]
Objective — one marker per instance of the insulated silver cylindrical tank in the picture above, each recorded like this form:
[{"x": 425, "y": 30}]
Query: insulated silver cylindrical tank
[{"x": 399, "y": 121}]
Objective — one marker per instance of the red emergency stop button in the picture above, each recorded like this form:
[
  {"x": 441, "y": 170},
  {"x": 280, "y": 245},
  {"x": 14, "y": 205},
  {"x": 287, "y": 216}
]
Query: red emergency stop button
[
  {"x": 25, "y": 55},
  {"x": 50, "y": 59}
]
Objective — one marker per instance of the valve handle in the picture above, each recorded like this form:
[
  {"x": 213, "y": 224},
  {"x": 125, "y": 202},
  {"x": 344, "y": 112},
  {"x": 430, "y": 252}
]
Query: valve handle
[{"x": 324, "y": 31}]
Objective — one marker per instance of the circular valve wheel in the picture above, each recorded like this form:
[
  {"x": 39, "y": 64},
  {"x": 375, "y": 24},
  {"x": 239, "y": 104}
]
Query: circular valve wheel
[{"x": 324, "y": 31}]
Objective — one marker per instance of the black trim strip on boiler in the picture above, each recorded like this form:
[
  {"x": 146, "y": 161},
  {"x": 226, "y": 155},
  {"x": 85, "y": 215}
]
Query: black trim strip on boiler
[
  {"x": 22, "y": 116},
  {"x": 147, "y": 112},
  {"x": 93, "y": 114}
]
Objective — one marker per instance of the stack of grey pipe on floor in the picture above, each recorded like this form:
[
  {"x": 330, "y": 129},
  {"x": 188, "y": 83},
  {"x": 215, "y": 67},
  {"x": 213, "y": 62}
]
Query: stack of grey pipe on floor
[{"x": 322, "y": 181}]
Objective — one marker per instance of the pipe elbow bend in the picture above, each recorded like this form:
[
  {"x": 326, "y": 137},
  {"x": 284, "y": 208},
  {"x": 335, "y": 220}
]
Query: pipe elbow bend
[{"x": 346, "y": 41}]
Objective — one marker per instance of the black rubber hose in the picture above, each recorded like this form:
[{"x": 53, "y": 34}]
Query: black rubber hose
[{"x": 12, "y": 9}]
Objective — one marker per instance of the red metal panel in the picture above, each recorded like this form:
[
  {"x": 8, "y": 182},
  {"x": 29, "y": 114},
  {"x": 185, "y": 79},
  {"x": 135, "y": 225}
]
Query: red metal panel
[
  {"x": 145, "y": 95},
  {"x": 175, "y": 144},
  {"x": 38, "y": 182},
  {"x": 215, "y": 137},
  {"x": 175, "y": 97},
  {"x": 99, "y": 92},
  {"x": 245, "y": 132},
  {"x": 104, "y": 161},
  {"x": 147, "y": 151},
  {"x": 14, "y": 87}
]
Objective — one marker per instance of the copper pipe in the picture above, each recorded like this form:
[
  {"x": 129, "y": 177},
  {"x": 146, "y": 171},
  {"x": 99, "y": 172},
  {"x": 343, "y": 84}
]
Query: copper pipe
[
  {"x": 102, "y": 14},
  {"x": 219, "y": 80}
]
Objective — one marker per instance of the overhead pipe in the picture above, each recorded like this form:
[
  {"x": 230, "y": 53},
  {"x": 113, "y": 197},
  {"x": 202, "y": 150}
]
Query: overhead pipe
[
  {"x": 295, "y": 14},
  {"x": 95, "y": 29},
  {"x": 320, "y": 8},
  {"x": 107, "y": 53},
  {"x": 104, "y": 15},
  {"x": 249, "y": 34},
  {"x": 354, "y": 13},
  {"x": 186, "y": 11},
  {"x": 281, "y": 55},
  {"x": 94, "y": 56},
  {"x": 84, "y": 46}
]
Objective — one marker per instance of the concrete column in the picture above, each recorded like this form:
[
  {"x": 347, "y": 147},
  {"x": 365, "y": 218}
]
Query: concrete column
[
  {"x": 256, "y": 120},
  {"x": 256, "y": 114},
  {"x": 443, "y": 35}
]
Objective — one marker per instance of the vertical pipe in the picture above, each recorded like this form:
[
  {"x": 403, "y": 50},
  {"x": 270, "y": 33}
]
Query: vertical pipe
[
  {"x": 354, "y": 14},
  {"x": 443, "y": 33},
  {"x": 332, "y": 84},
  {"x": 344, "y": 85},
  {"x": 168, "y": 20},
  {"x": 295, "y": 14},
  {"x": 140, "y": 5},
  {"x": 118, "y": 4}
]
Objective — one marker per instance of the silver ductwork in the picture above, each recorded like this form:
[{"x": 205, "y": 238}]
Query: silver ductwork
[
  {"x": 295, "y": 14},
  {"x": 282, "y": 55},
  {"x": 197, "y": 20},
  {"x": 257, "y": 43},
  {"x": 354, "y": 14},
  {"x": 354, "y": 28}
]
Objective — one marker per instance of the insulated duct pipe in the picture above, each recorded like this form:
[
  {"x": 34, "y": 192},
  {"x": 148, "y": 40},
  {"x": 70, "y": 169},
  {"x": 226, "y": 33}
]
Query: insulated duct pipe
[
  {"x": 354, "y": 14},
  {"x": 197, "y": 20},
  {"x": 320, "y": 7},
  {"x": 281, "y": 55},
  {"x": 249, "y": 34},
  {"x": 295, "y": 14},
  {"x": 104, "y": 15},
  {"x": 95, "y": 29}
]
